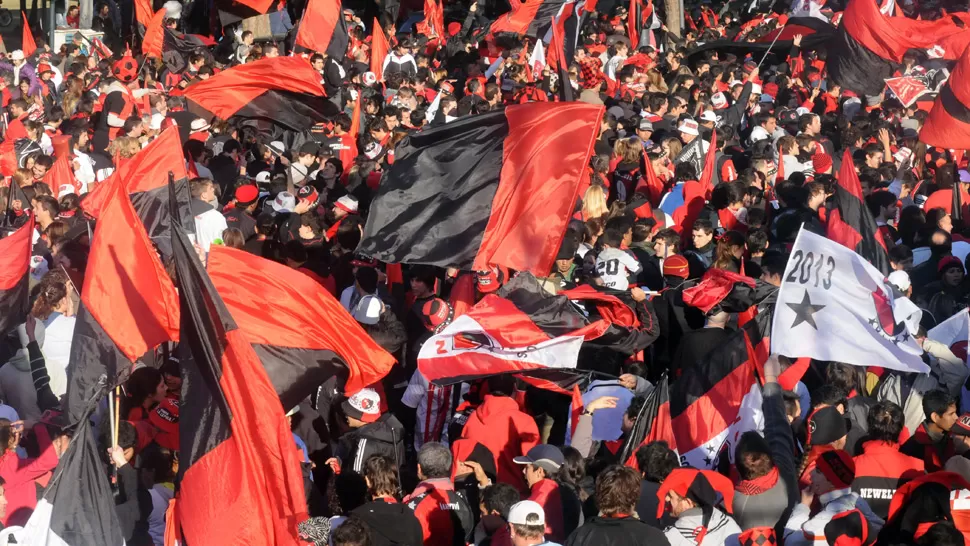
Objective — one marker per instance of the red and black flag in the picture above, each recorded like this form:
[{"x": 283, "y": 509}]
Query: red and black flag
[
  {"x": 145, "y": 178},
  {"x": 530, "y": 18},
  {"x": 948, "y": 125},
  {"x": 78, "y": 506},
  {"x": 559, "y": 61},
  {"x": 308, "y": 338},
  {"x": 869, "y": 44},
  {"x": 128, "y": 303},
  {"x": 233, "y": 11},
  {"x": 524, "y": 329},
  {"x": 240, "y": 476},
  {"x": 493, "y": 189},
  {"x": 378, "y": 50},
  {"x": 815, "y": 32},
  {"x": 280, "y": 96},
  {"x": 323, "y": 29},
  {"x": 14, "y": 275},
  {"x": 850, "y": 223}
]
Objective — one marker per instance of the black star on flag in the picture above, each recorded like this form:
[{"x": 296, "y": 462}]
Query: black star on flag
[{"x": 805, "y": 311}]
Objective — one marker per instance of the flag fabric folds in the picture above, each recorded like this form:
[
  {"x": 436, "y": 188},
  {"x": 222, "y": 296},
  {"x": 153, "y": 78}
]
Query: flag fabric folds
[
  {"x": 78, "y": 506},
  {"x": 282, "y": 94},
  {"x": 868, "y": 44},
  {"x": 850, "y": 222},
  {"x": 948, "y": 124},
  {"x": 378, "y": 50},
  {"x": 236, "y": 443},
  {"x": 128, "y": 303},
  {"x": 309, "y": 336},
  {"x": 143, "y": 12},
  {"x": 702, "y": 414},
  {"x": 954, "y": 332},
  {"x": 835, "y": 305},
  {"x": 145, "y": 178},
  {"x": 28, "y": 45},
  {"x": 153, "y": 43},
  {"x": 323, "y": 29},
  {"x": 493, "y": 189},
  {"x": 15, "y": 275},
  {"x": 530, "y": 18}
]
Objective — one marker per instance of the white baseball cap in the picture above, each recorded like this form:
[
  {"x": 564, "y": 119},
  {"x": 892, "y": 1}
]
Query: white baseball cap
[
  {"x": 17, "y": 55},
  {"x": 688, "y": 126},
  {"x": 284, "y": 202},
  {"x": 709, "y": 115},
  {"x": 368, "y": 310},
  {"x": 527, "y": 513},
  {"x": 900, "y": 279}
]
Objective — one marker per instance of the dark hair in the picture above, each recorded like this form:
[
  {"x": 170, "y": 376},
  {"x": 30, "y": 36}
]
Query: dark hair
[
  {"x": 381, "y": 472},
  {"x": 942, "y": 533},
  {"x": 366, "y": 277},
  {"x": 703, "y": 224},
  {"x": 937, "y": 401},
  {"x": 501, "y": 385},
  {"x": 140, "y": 386},
  {"x": 159, "y": 461},
  {"x": 669, "y": 236},
  {"x": 127, "y": 435},
  {"x": 879, "y": 200},
  {"x": 885, "y": 421},
  {"x": 828, "y": 395},
  {"x": 611, "y": 237},
  {"x": 352, "y": 532},
  {"x": 842, "y": 375},
  {"x": 573, "y": 469},
  {"x": 49, "y": 204},
  {"x": 617, "y": 490},
  {"x": 636, "y": 405},
  {"x": 500, "y": 497},
  {"x": 752, "y": 455},
  {"x": 656, "y": 461}
]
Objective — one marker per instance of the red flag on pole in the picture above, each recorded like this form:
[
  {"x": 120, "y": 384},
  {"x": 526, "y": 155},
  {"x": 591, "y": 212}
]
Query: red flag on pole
[
  {"x": 29, "y": 46},
  {"x": 378, "y": 50},
  {"x": 154, "y": 39}
]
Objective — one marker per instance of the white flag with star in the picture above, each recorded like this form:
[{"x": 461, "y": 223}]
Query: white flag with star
[{"x": 834, "y": 305}]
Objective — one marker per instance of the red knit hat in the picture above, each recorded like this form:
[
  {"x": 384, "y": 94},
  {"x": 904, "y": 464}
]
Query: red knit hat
[
  {"x": 676, "y": 266},
  {"x": 822, "y": 162}
]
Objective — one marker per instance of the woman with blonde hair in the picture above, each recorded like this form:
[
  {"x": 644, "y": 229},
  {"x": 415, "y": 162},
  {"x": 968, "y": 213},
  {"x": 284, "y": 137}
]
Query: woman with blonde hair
[{"x": 594, "y": 203}]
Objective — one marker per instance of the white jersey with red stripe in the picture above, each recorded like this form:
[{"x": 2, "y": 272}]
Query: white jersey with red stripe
[{"x": 433, "y": 406}]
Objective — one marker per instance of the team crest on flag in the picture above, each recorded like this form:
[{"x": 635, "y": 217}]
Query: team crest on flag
[
  {"x": 907, "y": 89},
  {"x": 835, "y": 305}
]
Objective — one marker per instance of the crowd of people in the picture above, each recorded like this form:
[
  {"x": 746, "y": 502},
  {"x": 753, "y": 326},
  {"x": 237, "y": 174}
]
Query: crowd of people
[{"x": 846, "y": 454}]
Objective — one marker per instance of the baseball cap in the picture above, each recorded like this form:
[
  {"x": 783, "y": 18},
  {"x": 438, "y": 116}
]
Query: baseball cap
[
  {"x": 719, "y": 101},
  {"x": 545, "y": 456},
  {"x": 960, "y": 428},
  {"x": 900, "y": 279},
  {"x": 277, "y": 147},
  {"x": 368, "y": 310},
  {"x": 17, "y": 55},
  {"x": 165, "y": 417},
  {"x": 246, "y": 194},
  {"x": 645, "y": 125},
  {"x": 527, "y": 513},
  {"x": 709, "y": 115},
  {"x": 263, "y": 177},
  {"x": 309, "y": 148},
  {"x": 364, "y": 405},
  {"x": 284, "y": 202},
  {"x": 307, "y": 193},
  {"x": 689, "y": 126},
  {"x": 9, "y": 413},
  {"x": 347, "y": 203},
  {"x": 373, "y": 150},
  {"x": 826, "y": 425}
]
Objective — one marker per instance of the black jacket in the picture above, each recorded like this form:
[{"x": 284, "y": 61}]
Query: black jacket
[
  {"x": 616, "y": 532},
  {"x": 391, "y": 524},
  {"x": 382, "y": 437}
]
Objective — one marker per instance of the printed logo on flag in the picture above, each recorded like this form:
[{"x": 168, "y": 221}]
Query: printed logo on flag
[{"x": 907, "y": 89}]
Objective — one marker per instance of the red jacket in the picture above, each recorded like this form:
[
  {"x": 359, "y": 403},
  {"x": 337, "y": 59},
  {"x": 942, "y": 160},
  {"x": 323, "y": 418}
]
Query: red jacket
[
  {"x": 446, "y": 519},
  {"x": 19, "y": 477},
  {"x": 546, "y": 493},
  {"x": 880, "y": 470},
  {"x": 507, "y": 432}
]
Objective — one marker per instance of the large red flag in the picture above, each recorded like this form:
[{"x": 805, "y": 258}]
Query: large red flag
[
  {"x": 241, "y": 477},
  {"x": 707, "y": 175},
  {"x": 154, "y": 40},
  {"x": 378, "y": 50},
  {"x": 61, "y": 174},
  {"x": 28, "y": 46},
  {"x": 323, "y": 29},
  {"x": 143, "y": 12},
  {"x": 633, "y": 24}
]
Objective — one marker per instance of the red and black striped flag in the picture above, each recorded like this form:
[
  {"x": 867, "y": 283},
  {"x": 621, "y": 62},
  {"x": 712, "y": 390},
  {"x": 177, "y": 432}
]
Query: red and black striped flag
[
  {"x": 323, "y": 29},
  {"x": 523, "y": 328},
  {"x": 850, "y": 223},
  {"x": 14, "y": 275},
  {"x": 128, "y": 303},
  {"x": 948, "y": 125},
  {"x": 530, "y": 18},
  {"x": 240, "y": 477},
  {"x": 308, "y": 338},
  {"x": 145, "y": 178},
  {"x": 276, "y": 94},
  {"x": 493, "y": 189},
  {"x": 869, "y": 44},
  {"x": 702, "y": 413}
]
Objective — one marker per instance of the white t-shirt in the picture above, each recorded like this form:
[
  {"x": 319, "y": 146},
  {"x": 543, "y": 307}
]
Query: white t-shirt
[
  {"x": 615, "y": 266},
  {"x": 58, "y": 336}
]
